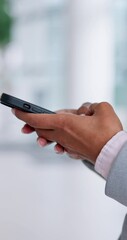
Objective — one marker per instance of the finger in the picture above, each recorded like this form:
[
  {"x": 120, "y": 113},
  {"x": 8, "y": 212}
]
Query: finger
[
  {"x": 99, "y": 108},
  {"x": 27, "y": 129},
  {"x": 84, "y": 109},
  {"x": 73, "y": 111},
  {"x": 45, "y": 121},
  {"x": 42, "y": 142},
  {"x": 75, "y": 156},
  {"x": 59, "y": 149},
  {"x": 49, "y": 135}
]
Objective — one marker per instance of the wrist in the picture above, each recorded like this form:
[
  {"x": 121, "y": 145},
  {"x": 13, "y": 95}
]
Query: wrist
[{"x": 109, "y": 152}]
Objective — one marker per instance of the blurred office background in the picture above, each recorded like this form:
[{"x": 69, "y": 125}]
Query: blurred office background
[{"x": 58, "y": 54}]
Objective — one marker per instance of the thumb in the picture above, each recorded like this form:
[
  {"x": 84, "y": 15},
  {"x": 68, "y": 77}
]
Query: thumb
[
  {"x": 87, "y": 109},
  {"x": 102, "y": 108}
]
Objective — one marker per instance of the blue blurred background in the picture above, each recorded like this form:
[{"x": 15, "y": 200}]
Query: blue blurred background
[{"x": 58, "y": 54}]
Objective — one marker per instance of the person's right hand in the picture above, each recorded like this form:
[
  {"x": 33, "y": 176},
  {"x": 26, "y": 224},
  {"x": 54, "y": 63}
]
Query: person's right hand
[
  {"x": 82, "y": 110},
  {"x": 81, "y": 134}
]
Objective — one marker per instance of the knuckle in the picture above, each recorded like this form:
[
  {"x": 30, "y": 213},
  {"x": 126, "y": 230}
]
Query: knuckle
[
  {"x": 61, "y": 121},
  {"x": 64, "y": 121},
  {"x": 104, "y": 105},
  {"x": 86, "y": 104},
  {"x": 33, "y": 121}
]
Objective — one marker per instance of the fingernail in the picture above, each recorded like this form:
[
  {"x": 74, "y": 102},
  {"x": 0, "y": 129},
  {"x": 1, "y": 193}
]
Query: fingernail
[
  {"x": 23, "y": 130},
  {"x": 58, "y": 151},
  {"x": 41, "y": 142},
  {"x": 13, "y": 111}
]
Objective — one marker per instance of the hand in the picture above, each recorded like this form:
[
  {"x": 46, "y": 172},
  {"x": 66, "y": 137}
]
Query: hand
[
  {"x": 84, "y": 109},
  {"x": 81, "y": 134}
]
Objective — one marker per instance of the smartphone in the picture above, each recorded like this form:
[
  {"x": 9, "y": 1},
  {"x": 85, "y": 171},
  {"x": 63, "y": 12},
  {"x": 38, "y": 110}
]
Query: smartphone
[{"x": 22, "y": 105}]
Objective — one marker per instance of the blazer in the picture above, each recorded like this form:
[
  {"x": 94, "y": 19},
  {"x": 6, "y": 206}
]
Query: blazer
[{"x": 116, "y": 184}]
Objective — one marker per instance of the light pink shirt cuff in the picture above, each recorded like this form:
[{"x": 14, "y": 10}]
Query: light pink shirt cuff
[{"x": 109, "y": 152}]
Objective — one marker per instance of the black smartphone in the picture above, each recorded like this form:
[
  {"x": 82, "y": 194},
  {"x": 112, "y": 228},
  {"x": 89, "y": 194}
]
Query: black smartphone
[{"x": 20, "y": 104}]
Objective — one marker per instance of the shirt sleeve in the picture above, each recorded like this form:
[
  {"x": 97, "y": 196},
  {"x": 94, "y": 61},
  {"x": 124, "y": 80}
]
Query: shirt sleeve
[{"x": 109, "y": 152}]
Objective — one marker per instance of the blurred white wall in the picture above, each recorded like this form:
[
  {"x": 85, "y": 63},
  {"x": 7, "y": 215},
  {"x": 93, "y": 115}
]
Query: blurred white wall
[
  {"x": 92, "y": 51},
  {"x": 39, "y": 37},
  {"x": 36, "y": 59},
  {"x": 45, "y": 196}
]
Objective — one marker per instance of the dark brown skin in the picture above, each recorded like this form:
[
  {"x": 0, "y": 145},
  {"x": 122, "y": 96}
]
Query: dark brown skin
[{"x": 81, "y": 133}]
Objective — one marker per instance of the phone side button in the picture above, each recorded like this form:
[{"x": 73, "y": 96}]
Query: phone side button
[
  {"x": 37, "y": 110},
  {"x": 26, "y": 106}
]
